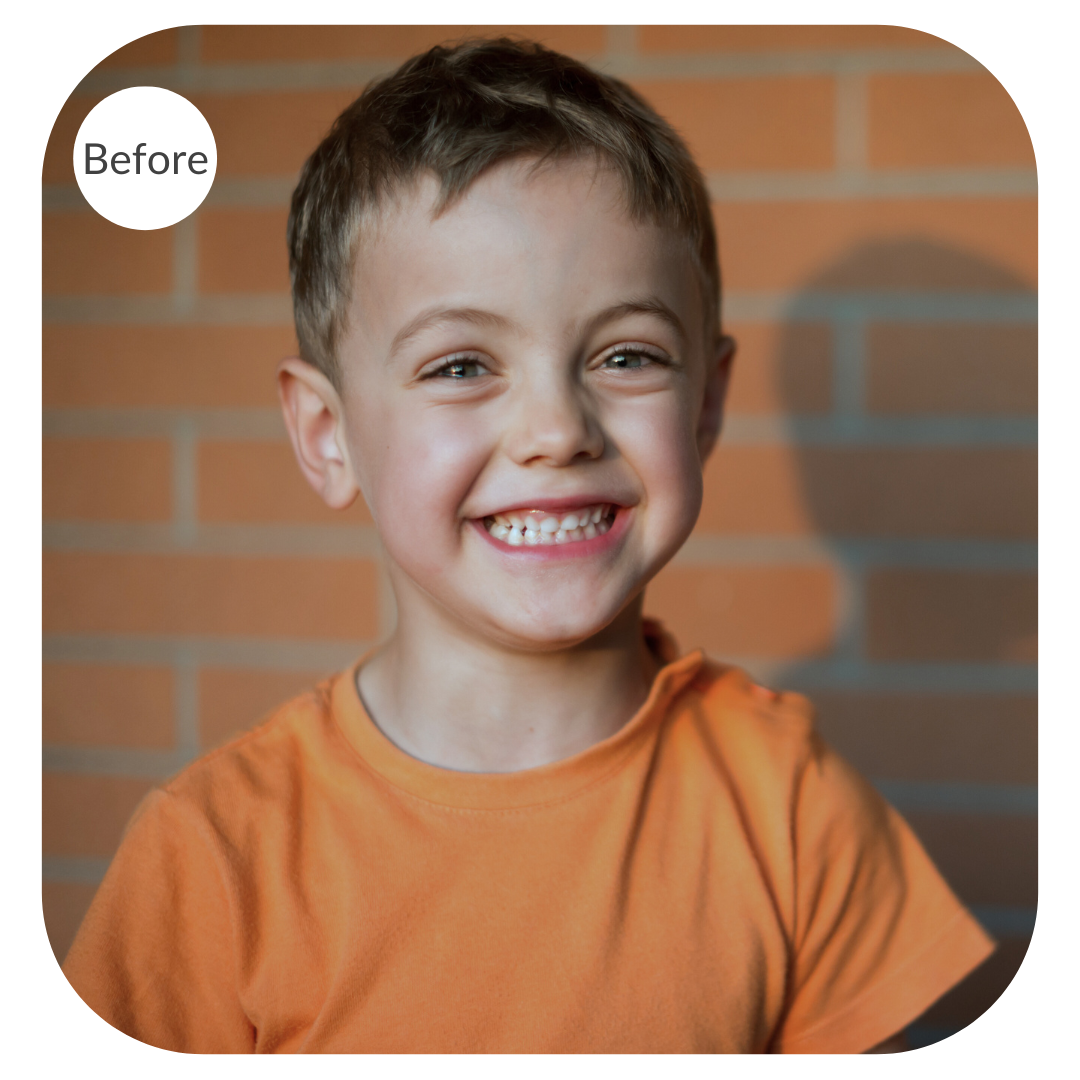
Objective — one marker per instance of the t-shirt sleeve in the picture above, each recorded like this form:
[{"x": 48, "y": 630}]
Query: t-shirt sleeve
[
  {"x": 156, "y": 954},
  {"x": 878, "y": 935}
]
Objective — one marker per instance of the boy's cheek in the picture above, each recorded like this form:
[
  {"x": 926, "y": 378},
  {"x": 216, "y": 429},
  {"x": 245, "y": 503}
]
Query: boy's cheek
[
  {"x": 418, "y": 473},
  {"x": 660, "y": 444}
]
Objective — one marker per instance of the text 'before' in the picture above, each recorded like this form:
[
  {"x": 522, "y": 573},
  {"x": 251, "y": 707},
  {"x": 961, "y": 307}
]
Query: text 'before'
[{"x": 158, "y": 162}]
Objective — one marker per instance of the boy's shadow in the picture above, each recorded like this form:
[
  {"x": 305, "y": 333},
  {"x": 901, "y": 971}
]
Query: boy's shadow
[
  {"x": 918, "y": 477},
  {"x": 921, "y": 456}
]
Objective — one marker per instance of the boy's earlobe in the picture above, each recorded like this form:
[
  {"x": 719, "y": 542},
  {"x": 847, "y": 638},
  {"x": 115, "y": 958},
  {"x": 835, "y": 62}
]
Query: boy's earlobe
[
  {"x": 314, "y": 419},
  {"x": 712, "y": 406}
]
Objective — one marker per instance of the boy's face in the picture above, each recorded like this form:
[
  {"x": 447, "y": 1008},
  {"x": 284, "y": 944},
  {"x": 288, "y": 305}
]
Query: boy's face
[{"x": 530, "y": 349}]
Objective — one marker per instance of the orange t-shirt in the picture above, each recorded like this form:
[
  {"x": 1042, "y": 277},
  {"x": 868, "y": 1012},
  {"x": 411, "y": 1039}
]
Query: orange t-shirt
[{"x": 711, "y": 878}]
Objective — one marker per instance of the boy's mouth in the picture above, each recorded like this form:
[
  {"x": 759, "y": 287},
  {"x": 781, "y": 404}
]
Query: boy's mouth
[{"x": 518, "y": 528}]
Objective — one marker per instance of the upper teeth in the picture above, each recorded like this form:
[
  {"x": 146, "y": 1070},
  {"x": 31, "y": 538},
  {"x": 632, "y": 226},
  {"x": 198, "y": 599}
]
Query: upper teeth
[{"x": 536, "y": 527}]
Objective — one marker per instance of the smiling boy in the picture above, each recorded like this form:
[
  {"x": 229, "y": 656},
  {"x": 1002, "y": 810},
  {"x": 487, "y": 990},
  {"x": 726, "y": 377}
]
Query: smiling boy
[
  {"x": 530, "y": 356},
  {"x": 525, "y": 823}
]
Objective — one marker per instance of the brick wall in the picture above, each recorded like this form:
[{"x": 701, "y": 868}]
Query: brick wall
[{"x": 869, "y": 529}]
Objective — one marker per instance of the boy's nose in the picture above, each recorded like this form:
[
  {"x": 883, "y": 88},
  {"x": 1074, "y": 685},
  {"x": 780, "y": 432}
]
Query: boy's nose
[{"x": 553, "y": 426}]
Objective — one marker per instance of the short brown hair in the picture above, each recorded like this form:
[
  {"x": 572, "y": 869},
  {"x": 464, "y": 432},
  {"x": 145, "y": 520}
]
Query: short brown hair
[{"x": 455, "y": 112}]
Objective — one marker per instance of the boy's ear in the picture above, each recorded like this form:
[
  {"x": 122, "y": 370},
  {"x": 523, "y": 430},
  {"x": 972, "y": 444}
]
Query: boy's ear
[
  {"x": 717, "y": 376},
  {"x": 314, "y": 419}
]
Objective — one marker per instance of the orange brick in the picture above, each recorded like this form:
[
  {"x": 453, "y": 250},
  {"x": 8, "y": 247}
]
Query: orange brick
[
  {"x": 915, "y": 263},
  {"x": 158, "y": 48},
  {"x": 941, "y": 492},
  {"x": 986, "y": 859},
  {"x": 948, "y": 368},
  {"x": 106, "y": 480},
  {"x": 243, "y": 251},
  {"x": 970, "y": 998},
  {"x": 85, "y": 254},
  {"x": 780, "y": 368},
  {"x": 57, "y": 168},
  {"x": 270, "y": 133},
  {"x": 938, "y": 119},
  {"x": 101, "y": 705},
  {"x": 947, "y": 615},
  {"x": 64, "y": 903},
  {"x": 966, "y": 738},
  {"x": 247, "y": 43},
  {"x": 192, "y": 594},
  {"x": 261, "y": 482},
  {"x": 163, "y": 366},
  {"x": 754, "y": 489},
  {"x": 779, "y": 123},
  {"x": 86, "y": 815},
  {"x": 873, "y": 244},
  {"x": 747, "y": 611},
  {"x": 697, "y": 39},
  {"x": 230, "y": 702}
]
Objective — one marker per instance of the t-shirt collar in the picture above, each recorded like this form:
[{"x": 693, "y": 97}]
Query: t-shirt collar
[{"x": 546, "y": 784}]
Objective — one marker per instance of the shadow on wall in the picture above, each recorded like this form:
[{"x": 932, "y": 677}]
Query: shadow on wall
[
  {"x": 869, "y": 538},
  {"x": 917, "y": 472}
]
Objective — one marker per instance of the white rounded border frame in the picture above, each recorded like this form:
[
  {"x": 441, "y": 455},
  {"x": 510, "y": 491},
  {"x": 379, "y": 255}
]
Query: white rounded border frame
[{"x": 554, "y": 12}]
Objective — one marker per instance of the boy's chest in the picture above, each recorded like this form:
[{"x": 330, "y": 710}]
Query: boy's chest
[{"x": 526, "y": 934}]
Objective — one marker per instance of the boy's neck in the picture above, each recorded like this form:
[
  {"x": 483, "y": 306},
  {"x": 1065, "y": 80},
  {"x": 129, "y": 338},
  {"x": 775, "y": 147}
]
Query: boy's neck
[{"x": 462, "y": 702}]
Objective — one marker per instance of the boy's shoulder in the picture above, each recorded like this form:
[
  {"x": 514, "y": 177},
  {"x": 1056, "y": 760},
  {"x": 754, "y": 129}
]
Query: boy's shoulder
[
  {"x": 261, "y": 765},
  {"x": 761, "y": 747},
  {"x": 733, "y": 698},
  {"x": 750, "y": 725},
  {"x": 729, "y": 702}
]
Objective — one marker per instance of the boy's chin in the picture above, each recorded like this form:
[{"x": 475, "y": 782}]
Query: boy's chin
[
  {"x": 550, "y": 631},
  {"x": 560, "y": 615}
]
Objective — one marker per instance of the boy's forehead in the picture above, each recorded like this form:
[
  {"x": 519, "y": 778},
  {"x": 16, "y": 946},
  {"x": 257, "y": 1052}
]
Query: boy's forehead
[
  {"x": 547, "y": 241},
  {"x": 522, "y": 181}
]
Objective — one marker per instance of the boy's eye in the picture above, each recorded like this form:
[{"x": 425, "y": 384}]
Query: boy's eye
[
  {"x": 460, "y": 369},
  {"x": 629, "y": 360}
]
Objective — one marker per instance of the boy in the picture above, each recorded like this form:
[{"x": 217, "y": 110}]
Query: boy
[{"x": 525, "y": 823}]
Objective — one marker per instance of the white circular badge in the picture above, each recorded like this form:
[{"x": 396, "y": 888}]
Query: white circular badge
[{"x": 145, "y": 158}]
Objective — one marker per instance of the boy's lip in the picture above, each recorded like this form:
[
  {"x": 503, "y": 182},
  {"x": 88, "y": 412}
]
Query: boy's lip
[{"x": 565, "y": 505}]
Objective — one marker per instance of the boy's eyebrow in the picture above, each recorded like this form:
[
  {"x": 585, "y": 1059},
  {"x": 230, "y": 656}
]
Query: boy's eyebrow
[
  {"x": 435, "y": 316},
  {"x": 650, "y": 305}
]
